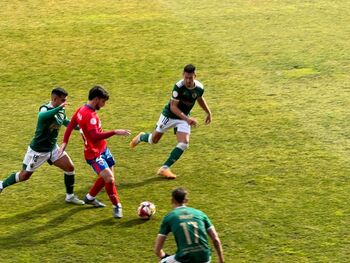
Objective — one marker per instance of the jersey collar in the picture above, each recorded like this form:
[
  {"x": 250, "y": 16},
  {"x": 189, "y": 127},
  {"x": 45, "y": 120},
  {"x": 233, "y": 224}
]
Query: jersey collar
[{"x": 87, "y": 105}]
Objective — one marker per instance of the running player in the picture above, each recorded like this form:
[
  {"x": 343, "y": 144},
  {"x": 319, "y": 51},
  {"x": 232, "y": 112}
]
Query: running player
[
  {"x": 43, "y": 147},
  {"x": 96, "y": 151},
  {"x": 190, "y": 228},
  {"x": 176, "y": 114}
]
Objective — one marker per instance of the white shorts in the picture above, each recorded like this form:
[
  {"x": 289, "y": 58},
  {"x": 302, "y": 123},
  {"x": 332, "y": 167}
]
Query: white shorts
[
  {"x": 165, "y": 123},
  {"x": 171, "y": 259},
  {"x": 33, "y": 160}
]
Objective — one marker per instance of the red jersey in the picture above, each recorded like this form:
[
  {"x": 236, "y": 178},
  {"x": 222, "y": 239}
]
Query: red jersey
[{"x": 91, "y": 131}]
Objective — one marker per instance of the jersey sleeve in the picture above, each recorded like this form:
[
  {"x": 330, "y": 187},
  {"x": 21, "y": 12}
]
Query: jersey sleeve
[
  {"x": 207, "y": 221},
  {"x": 45, "y": 113},
  {"x": 164, "y": 227},
  {"x": 200, "y": 93},
  {"x": 96, "y": 136},
  {"x": 175, "y": 95},
  {"x": 72, "y": 124}
]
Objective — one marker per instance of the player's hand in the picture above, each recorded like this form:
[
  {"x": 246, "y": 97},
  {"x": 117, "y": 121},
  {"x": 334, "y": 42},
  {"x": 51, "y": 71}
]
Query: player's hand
[
  {"x": 62, "y": 148},
  {"x": 208, "y": 119},
  {"x": 122, "y": 132},
  {"x": 63, "y": 105},
  {"x": 192, "y": 121}
]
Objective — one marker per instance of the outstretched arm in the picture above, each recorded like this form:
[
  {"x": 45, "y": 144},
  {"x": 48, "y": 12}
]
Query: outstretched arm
[
  {"x": 95, "y": 135},
  {"x": 202, "y": 102},
  {"x": 217, "y": 243},
  {"x": 44, "y": 115}
]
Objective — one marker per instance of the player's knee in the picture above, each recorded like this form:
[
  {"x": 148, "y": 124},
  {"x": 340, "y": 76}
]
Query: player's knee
[
  {"x": 183, "y": 146},
  {"x": 108, "y": 178},
  {"x": 24, "y": 176},
  {"x": 70, "y": 169},
  {"x": 69, "y": 172}
]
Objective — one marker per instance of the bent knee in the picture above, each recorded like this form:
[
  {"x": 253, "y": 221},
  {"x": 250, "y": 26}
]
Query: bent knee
[{"x": 24, "y": 176}]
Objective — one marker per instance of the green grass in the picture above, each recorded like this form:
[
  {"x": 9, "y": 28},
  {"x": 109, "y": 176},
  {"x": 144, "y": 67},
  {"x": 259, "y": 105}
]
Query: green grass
[{"x": 271, "y": 171}]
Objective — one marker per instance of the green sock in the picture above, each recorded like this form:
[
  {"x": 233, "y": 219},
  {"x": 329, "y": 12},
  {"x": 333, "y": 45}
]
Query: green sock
[
  {"x": 174, "y": 156},
  {"x": 144, "y": 137},
  {"x": 69, "y": 183},
  {"x": 9, "y": 180}
]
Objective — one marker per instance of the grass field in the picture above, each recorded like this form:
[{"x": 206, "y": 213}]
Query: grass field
[{"x": 271, "y": 171}]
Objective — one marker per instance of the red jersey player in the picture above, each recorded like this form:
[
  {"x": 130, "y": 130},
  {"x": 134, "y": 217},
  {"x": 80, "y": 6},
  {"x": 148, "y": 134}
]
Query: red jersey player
[{"x": 96, "y": 151}]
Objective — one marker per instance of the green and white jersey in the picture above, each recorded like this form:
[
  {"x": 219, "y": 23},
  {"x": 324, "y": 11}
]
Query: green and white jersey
[
  {"x": 50, "y": 120},
  {"x": 189, "y": 227},
  {"x": 186, "y": 96}
]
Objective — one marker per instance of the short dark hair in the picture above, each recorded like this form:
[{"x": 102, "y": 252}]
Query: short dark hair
[
  {"x": 99, "y": 92},
  {"x": 189, "y": 68},
  {"x": 59, "y": 92},
  {"x": 179, "y": 195}
]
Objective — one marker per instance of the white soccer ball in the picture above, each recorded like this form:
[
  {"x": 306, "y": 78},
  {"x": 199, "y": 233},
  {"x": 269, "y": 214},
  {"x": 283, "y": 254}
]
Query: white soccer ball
[{"x": 146, "y": 209}]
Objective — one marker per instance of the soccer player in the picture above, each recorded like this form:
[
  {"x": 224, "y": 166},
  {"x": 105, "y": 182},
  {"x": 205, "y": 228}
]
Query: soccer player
[
  {"x": 96, "y": 151},
  {"x": 176, "y": 114},
  {"x": 190, "y": 228},
  {"x": 43, "y": 146}
]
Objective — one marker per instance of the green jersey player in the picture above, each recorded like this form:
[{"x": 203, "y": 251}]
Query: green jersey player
[
  {"x": 43, "y": 147},
  {"x": 190, "y": 228},
  {"x": 176, "y": 114}
]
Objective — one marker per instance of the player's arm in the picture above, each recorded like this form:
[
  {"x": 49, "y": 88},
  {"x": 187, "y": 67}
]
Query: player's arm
[
  {"x": 158, "y": 247},
  {"x": 176, "y": 110},
  {"x": 72, "y": 124},
  {"x": 217, "y": 243},
  {"x": 66, "y": 123},
  {"x": 45, "y": 114},
  {"x": 203, "y": 104},
  {"x": 96, "y": 135}
]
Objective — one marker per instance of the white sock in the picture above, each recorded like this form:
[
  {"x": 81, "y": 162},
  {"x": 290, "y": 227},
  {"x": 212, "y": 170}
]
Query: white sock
[
  {"x": 69, "y": 196},
  {"x": 17, "y": 177},
  {"x": 150, "y": 139},
  {"x": 89, "y": 197}
]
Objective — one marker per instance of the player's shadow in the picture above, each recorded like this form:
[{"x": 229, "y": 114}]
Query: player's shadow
[
  {"x": 140, "y": 183},
  {"x": 28, "y": 236},
  {"x": 27, "y": 215},
  {"x": 132, "y": 222}
]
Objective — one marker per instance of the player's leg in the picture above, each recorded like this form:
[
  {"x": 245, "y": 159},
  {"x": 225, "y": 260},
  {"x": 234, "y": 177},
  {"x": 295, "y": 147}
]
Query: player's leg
[
  {"x": 111, "y": 189},
  {"x": 15, "y": 177},
  {"x": 183, "y": 138},
  {"x": 65, "y": 163},
  {"x": 97, "y": 165},
  {"x": 170, "y": 259},
  {"x": 31, "y": 161},
  {"x": 155, "y": 136},
  {"x": 112, "y": 193}
]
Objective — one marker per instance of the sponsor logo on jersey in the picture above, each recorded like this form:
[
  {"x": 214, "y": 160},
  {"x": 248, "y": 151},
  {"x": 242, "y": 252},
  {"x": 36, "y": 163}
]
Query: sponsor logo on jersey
[{"x": 93, "y": 121}]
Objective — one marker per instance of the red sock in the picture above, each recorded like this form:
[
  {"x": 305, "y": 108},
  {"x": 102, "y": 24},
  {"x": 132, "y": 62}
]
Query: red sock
[
  {"x": 112, "y": 193},
  {"x": 98, "y": 185}
]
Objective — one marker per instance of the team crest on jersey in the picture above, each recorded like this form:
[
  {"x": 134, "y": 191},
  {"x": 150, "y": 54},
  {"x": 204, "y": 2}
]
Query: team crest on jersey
[
  {"x": 175, "y": 94},
  {"x": 194, "y": 95},
  {"x": 93, "y": 121}
]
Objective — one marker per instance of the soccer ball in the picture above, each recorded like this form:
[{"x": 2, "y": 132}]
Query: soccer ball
[{"x": 146, "y": 209}]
